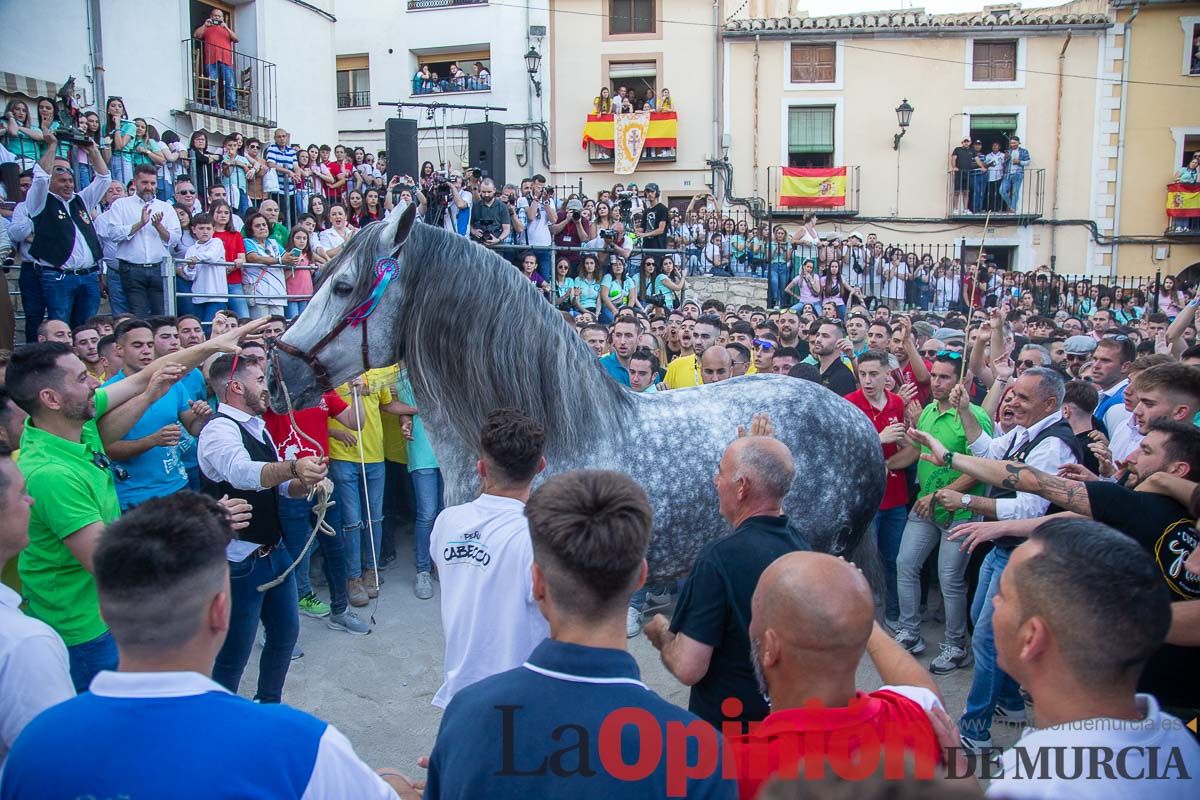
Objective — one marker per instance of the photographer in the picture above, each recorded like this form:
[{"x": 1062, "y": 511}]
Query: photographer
[
  {"x": 401, "y": 189},
  {"x": 541, "y": 213},
  {"x": 517, "y": 234},
  {"x": 612, "y": 242},
  {"x": 490, "y": 219},
  {"x": 572, "y": 230}
]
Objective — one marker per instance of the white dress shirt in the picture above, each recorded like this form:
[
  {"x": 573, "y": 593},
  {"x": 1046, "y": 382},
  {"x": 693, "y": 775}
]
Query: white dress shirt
[
  {"x": 34, "y": 671},
  {"x": 39, "y": 195},
  {"x": 1124, "y": 439},
  {"x": 222, "y": 455},
  {"x": 337, "y": 772},
  {"x": 143, "y": 246},
  {"x": 1117, "y": 413},
  {"x": 1048, "y": 456}
]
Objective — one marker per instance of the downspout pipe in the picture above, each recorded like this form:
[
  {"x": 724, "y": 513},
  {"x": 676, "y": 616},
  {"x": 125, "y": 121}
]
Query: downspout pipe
[
  {"x": 1062, "y": 59},
  {"x": 97, "y": 53},
  {"x": 716, "y": 87},
  {"x": 1126, "y": 49},
  {"x": 754, "y": 133}
]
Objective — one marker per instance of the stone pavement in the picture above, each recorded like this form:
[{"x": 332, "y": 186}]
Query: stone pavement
[{"x": 377, "y": 688}]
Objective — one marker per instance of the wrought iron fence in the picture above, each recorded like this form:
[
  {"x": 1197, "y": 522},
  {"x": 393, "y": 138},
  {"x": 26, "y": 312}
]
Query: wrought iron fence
[
  {"x": 1019, "y": 195},
  {"x": 244, "y": 89},
  {"x": 353, "y": 99}
]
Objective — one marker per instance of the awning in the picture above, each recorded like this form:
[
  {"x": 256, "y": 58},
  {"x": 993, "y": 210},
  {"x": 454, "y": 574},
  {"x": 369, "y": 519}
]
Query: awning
[
  {"x": 210, "y": 123},
  {"x": 12, "y": 83}
]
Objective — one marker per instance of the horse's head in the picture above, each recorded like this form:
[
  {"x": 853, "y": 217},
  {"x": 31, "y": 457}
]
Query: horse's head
[{"x": 350, "y": 322}]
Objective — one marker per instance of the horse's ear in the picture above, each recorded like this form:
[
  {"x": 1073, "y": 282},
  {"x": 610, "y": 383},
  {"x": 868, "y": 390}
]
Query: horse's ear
[{"x": 400, "y": 226}]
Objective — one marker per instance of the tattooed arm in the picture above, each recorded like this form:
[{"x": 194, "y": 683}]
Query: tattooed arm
[{"x": 1022, "y": 478}]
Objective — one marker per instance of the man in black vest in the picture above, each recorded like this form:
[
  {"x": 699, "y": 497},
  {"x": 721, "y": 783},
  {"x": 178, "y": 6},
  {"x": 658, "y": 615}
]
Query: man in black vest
[
  {"x": 65, "y": 247},
  {"x": 1045, "y": 441},
  {"x": 238, "y": 458}
]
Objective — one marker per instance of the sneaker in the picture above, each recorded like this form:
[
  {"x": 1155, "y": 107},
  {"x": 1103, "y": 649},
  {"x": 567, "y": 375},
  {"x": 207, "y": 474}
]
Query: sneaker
[
  {"x": 654, "y": 600},
  {"x": 633, "y": 622},
  {"x": 912, "y": 642},
  {"x": 310, "y": 606},
  {"x": 369, "y": 577},
  {"x": 357, "y": 593},
  {"x": 297, "y": 652},
  {"x": 976, "y": 745},
  {"x": 423, "y": 586},
  {"x": 349, "y": 622},
  {"x": 951, "y": 658},
  {"x": 892, "y": 626},
  {"x": 1009, "y": 716}
]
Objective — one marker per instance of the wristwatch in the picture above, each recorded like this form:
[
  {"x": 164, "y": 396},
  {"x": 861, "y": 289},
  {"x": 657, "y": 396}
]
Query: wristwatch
[
  {"x": 966, "y": 500},
  {"x": 950, "y": 459}
]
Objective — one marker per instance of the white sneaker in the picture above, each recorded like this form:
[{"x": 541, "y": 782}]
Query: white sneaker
[
  {"x": 657, "y": 600},
  {"x": 423, "y": 587},
  {"x": 1009, "y": 716},
  {"x": 633, "y": 622}
]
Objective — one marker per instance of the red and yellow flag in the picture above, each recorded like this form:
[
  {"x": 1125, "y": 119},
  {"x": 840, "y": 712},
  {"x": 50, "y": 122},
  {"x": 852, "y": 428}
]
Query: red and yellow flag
[
  {"x": 661, "y": 132},
  {"x": 801, "y": 188},
  {"x": 1183, "y": 200}
]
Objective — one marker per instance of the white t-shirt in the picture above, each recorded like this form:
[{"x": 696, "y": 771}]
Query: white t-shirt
[
  {"x": 995, "y": 165},
  {"x": 537, "y": 229},
  {"x": 483, "y": 555},
  {"x": 1159, "y": 737}
]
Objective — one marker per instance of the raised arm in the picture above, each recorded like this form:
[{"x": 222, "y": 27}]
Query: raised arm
[{"x": 895, "y": 665}]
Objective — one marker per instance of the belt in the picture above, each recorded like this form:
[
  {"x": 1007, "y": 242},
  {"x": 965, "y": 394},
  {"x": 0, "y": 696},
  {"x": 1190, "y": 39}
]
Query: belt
[
  {"x": 84, "y": 271},
  {"x": 135, "y": 264},
  {"x": 265, "y": 550}
]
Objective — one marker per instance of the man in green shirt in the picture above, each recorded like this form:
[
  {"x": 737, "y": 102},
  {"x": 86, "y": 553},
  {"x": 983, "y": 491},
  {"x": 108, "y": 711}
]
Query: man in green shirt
[
  {"x": 73, "y": 482},
  {"x": 929, "y": 522}
]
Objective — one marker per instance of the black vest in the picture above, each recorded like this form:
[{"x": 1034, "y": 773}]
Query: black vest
[
  {"x": 264, "y": 524},
  {"x": 54, "y": 232},
  {"x": 1060, "y": 430}
]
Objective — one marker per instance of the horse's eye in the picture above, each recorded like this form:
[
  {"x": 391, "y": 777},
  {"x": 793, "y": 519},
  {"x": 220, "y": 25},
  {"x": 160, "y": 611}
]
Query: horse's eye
[{"x": 342, "y": 288}]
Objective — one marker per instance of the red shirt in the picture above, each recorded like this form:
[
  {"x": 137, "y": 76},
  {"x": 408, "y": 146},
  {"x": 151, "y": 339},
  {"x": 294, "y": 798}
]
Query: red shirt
[
  {"x": 923, "y": 392},
  {"x": 218, "y": 45},
  {"x": 896, "y": 491},
  {"x": 884, "y": 721},
  {"x": 235, "y": 245},
  {"x": 313, "y": 421}
]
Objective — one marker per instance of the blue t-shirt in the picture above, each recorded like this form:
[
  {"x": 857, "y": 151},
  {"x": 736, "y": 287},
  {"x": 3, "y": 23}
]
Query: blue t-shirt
[
  {"x": 622, "y": 290},
  {"x": 193, "y": 384},
  {"x": 613, "y": 367},
  {"x": 160, "y": 470},
  {"x": 420, "y": 451},
  {"x": 589, "y": 292}
]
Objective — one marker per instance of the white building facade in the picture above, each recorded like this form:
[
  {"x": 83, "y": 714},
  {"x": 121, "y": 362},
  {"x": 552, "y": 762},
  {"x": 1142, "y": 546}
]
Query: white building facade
[{"x": 382, "y": 47}]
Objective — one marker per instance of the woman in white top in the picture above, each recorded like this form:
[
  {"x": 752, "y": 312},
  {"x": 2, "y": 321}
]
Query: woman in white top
[
  {"x": 263, "y": 278},
  {"x": 895, "y": 277},
  {"x": 334, "y": 239}
]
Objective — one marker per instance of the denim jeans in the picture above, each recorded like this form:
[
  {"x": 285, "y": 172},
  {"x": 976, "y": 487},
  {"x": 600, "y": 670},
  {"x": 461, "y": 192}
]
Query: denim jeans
[
  {"x": 889, "y": 529},
  {"x": 348, "y": 492},
  {"x": 978, "y": 184},
  {"x": 84, "y": 175},
  {"x": 237, "y": 300},
  {"x": 920, "y": 537},
  {"x": 120, "y": 168},
  {"x": 990, "y": 685},
  {"x": 143, "y": 289},
  {"x": 223, "y": 72},
  {"x": 295, "y": 517},
  {"x": 33, "y": 299},
  {"x": 69, "y": 297},
  {"x": 295, "y": 308},
  {"x": 777, "y": 279},
  {"x": 280, "y": 618},
  {"x": 545, "y": 259},
  {"x": 399, "y": 507},
  {"x": 1010, "y": 189},
  {"x": 183, "y": 305},
  {"x": 90, "y": 658},
  {"x": 206, "y": 312},
  {"x": 428, "y": 490},
  {"x": 116, "y": 292}
]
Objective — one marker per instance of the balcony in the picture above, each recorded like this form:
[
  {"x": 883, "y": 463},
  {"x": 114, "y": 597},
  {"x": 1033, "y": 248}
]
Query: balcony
[
  {"x": 802, "y": 191},
  {"x": 1183, "y": 209},
  {"x": 244, "y": 91},
  {"x": 972, "y": 197},
  {"x": 429, "y": 5},
  {"x": 599, "y": 154},
  {"x": 354, "y": 100},
  {"x": 466, "y": 83}
]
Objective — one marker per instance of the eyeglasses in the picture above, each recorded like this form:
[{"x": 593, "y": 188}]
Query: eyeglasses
[
  {"x": 1028, "y": 363},
  {"x": 1077, "y": 356},
  {"x": 185, "y": 191},
  {"x": 931, "y": 353}
]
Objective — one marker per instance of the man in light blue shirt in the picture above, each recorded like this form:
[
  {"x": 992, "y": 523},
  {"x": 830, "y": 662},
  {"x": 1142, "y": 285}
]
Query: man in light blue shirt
[
  {"x": 1014, "y": 174},
  {"x": 624, "y": 341}
]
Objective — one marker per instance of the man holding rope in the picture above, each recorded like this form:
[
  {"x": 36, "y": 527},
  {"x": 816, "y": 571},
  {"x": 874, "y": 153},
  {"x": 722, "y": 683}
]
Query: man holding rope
[{"x": 238, "y": 458}]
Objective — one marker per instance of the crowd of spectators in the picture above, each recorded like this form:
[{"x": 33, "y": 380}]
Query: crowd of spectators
[{"x": 428, "y": 81}]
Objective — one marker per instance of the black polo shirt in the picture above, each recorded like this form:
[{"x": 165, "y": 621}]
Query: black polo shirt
[
  {"x": 839, "y": 378},
  {"x": 714, "y": 609},
  {"x": 1168, "y": 533}
]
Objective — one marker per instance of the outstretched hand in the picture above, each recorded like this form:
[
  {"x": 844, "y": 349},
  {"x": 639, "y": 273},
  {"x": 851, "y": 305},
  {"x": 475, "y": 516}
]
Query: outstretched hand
[
  {"x": 972, "y": 534},
  {"x": 760, "y": 425},
  {"x": 937, "y": 451}
]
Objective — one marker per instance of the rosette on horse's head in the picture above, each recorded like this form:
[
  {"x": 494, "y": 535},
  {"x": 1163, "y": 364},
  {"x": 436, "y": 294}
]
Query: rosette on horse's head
[{"x": 476, "y": 335}]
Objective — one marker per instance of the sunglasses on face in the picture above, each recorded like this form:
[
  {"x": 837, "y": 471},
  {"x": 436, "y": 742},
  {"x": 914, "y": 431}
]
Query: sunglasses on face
[
  {"x": 1076, "y": 357},
  {"x": 185, "y": 191},
  {"x": 1027, "y": 363}
]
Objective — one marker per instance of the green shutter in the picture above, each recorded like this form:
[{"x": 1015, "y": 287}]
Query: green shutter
[
  {"x": 994, "y": 122},
  {"x": 810, "y": 129}
]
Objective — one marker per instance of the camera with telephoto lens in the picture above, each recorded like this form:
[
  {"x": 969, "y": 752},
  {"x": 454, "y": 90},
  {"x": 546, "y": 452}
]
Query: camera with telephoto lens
[
  {"x": 575, "y": 214},
  {"x": 607, "y": 234}
]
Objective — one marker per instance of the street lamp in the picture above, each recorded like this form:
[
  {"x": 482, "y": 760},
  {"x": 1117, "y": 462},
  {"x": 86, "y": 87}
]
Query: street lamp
[
  {"x": 904, "y": 117},
  {"x": 533, "y": 62}
]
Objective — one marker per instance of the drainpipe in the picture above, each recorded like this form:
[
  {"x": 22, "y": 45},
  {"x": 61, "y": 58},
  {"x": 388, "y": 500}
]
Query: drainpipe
[
  {"x": 529, "y": 84},
  {"x": 1062, "y": 58},
  {"x": 716, "y": 86},
  {"x": 97, "y": 53},
  {"x": 754, "y": 170},
  {"x": 1127, "y": 47}
]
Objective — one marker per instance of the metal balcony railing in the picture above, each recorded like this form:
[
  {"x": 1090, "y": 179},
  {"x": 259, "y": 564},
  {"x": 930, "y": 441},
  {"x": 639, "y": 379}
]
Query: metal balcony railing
[
  {"x": 426, "y": 5},
  {"x": 598, "y": 154},
  {"x": 1013, "y": 197},
  {"x": 244, "y": 90},
  {"x": 353, "y": 99},
  {"x": 822, "y": 207}
]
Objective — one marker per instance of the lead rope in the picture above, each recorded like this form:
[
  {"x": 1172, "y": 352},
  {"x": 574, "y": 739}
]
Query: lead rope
[
  {"x": 362, "y": 466},
  {"x": 320, "y": 492}
]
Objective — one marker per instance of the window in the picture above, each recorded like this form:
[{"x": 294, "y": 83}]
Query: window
[
  {"x": 994, "y": 61},
  {"x": 631, "y": 16},
  {"x": 453, "y": 70},
  {"x": 814, "y": 63},
  {"x": 989, "y": 128},
  {"x": 1191, "y": 44},
  {"x": 640, "y": 78},
  {"x": 353, "y": 82},
  {"x": 810, "y": 136}
]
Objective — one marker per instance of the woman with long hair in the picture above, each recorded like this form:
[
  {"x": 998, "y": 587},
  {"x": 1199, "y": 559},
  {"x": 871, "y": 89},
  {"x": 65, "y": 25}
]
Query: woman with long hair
[
  {"x": 617, "y": 290},
  {"x": 235, "y": 255},
  {"x": 586, "y": 285},
  {"x": 426, "y": 178},
  {"x": 334, "y": 238},
  {"x": 299, "y": 277},
  {"x": 602, "y": 104},
  {"x": 45, "y": 119},
  {"x": 263, "y": 279},
  {"x": 118, "y": 132},
  {"x": 205, "y": 165},
  {"x": 21, "y": 136},
  {"x": 372, "y": 208},
  {"x": 318, "y": 208},
  {"x": 1170, "y": 299},
  {"x": 354, "y": 206},
  {"x": 834, "y": 288},
  {"x": 805, "y": 288}
]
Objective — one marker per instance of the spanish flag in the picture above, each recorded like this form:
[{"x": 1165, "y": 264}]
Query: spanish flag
[
  {"x": 801, "y": 188},
  {"x": 599, "y": 129},
  {"x": 1183, "y": 200}
]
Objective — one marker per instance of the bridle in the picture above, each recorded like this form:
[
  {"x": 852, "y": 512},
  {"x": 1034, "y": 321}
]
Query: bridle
[{"x": 386, "y": 269}]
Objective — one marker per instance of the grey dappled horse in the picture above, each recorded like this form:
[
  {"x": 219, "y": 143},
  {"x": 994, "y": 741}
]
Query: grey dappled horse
[{"x": 476, "y": 335}]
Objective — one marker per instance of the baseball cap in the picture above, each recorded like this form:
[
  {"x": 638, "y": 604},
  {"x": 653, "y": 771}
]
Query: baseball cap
[
  {"x": 923, "y": 328},
  {"x": 652, "y": 187},
  {"x": 949, "y": 335},
  {"x": 575, "y": 205},
  {"x": 1079, "y": 345}
]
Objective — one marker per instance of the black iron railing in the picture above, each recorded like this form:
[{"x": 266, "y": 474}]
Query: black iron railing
[
  {"x": 353, "y": 99},
  {"x": 821, "y": 206},
  {"x": 244, "y": 89},
  {"x": 1016, "y": 196}
]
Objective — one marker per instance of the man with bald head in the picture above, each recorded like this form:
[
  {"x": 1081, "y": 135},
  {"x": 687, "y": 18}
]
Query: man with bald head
[
  {"x": 813, "y": 616},
  {"x": 715, "y": 364},
  {"x": 706, "y": 644}
]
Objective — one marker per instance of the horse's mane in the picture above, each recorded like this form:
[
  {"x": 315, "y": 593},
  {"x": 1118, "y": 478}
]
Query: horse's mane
[{"x": 476, "y": 336}]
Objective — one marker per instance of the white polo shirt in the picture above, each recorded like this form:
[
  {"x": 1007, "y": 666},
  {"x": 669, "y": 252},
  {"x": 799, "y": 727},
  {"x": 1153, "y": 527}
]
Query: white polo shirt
[{"x": 483, "y": 554}]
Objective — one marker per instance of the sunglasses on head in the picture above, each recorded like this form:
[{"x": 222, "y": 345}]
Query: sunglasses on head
[{"x": 763, "y": 344}]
